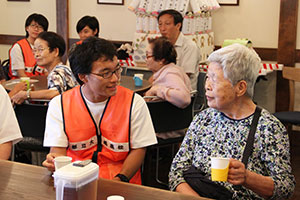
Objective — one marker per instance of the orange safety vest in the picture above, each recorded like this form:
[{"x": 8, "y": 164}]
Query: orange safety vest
[
  {"x": 110, "y": 147},
  {"x": 31, "y": 69},
  {"x": 79, "y": 42}
]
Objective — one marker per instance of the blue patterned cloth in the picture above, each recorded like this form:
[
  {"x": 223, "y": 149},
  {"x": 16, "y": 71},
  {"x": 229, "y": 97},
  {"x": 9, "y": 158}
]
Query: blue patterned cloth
[{"x": 213, "y": 134}]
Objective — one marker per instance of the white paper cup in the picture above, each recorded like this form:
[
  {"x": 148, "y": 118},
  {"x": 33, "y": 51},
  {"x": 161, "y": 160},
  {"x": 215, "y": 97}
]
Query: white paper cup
[
  {"x": 26, "y": 80},
  {"x": 219, "y": 168},
  {"x": 61, "y": 161},
  {"x": 115, "y": 197}
]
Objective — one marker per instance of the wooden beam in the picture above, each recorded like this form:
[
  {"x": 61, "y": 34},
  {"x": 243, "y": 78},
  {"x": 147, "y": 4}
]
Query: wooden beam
[
  {"x": 62, "y": 22},
  {"x": 268, "y": 54},
  {"x": 10, "y": 39},
  {"x": 286, "y": 53}
]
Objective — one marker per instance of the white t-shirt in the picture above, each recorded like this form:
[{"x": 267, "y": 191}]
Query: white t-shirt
[
  {"x": 142, "y": 132},
  {"x": 9, "y": 127},
  {"x": 188, "y": 57},
  {"x": 17, "y": 59}
]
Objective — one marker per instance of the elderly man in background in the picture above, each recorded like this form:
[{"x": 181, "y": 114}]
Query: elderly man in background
[{"x": 188, "y": 55}]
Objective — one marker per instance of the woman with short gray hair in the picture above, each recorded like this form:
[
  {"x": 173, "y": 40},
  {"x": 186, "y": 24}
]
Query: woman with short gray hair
[
  {"x": 238, "y": 63},
  {"x": 222, "y": 130}
]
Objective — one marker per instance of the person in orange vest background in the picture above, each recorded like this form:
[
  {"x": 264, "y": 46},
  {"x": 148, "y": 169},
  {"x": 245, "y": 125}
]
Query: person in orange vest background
[
  {"x": 86, "y": 27},
  {"x": 99, "y": 120},
  {"x": 22, "y": 61}
]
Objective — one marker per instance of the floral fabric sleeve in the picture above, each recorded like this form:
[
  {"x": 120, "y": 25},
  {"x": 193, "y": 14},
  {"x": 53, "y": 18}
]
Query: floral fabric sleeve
[
  {"x": 62, "y": 79},
  {"x": 277, "y": 158},
  {"x": 56, "y": 81},
  {"x": 184, "y": 157}
]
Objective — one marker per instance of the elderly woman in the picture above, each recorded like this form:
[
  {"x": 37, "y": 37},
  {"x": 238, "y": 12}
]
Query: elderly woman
[
  {"x": 222, "y": 130},
  {"x": 170, "y": 82},
  {"x": 48, "y": 49}
]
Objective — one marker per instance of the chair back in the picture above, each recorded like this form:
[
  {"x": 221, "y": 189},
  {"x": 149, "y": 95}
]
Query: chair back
[
  {"x": 31, "y": 119},
  {"x": 293, "y": 75},
  {"x": 4, "y": 70},
  {"x": 167, "y": 117}
]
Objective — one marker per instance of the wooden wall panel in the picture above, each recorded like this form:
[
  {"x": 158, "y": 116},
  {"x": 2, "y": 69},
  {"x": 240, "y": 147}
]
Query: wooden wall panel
[
  {"x": 286, "y": 53},
  {"x": 10, "y": 39},
  {"x": 62, "y": 22}
]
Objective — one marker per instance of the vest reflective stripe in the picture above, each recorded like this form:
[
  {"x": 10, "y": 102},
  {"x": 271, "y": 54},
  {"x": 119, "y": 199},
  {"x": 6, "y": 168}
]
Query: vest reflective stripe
[
  {"x": 29, "y": 60},
  {"x": 81, "y": 129},
  {"x": 83, "y": 145},
  {"x": 113, "y": 146}
]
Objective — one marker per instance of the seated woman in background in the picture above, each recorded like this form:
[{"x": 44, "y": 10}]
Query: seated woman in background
[
  {"x": 170, "y": 82},
  {"x": 86, "y": 27},
  {"x": 22, "y": 62},
  {"x": 48, "y": 49},
  {"x": 222, "y": 131}
]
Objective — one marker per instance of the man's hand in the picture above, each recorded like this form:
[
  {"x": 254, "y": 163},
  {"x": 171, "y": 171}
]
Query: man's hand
[{"x": 54, "y": 152}]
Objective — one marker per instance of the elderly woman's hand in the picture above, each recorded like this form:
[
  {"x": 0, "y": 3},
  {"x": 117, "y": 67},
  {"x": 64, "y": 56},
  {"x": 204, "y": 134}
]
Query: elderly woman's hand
[
  {"x": 19, "y": 98},
  {"x": 237, "y": 173},
  {"x": 18, "y": 87}
]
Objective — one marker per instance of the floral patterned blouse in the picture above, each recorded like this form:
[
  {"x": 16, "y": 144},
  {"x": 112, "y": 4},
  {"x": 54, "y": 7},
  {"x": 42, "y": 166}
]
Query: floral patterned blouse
[
  {"x": 61, "y": 78},
  {"x": 213, "y": 134}
]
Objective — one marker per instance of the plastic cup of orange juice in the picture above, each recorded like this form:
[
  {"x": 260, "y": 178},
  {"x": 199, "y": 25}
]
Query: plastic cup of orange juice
[{"x": 219, "y": 168}]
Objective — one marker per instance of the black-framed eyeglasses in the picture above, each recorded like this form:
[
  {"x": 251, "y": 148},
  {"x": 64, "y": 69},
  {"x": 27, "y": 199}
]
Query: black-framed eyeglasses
[
  {"x": 39, "y": 27},
  {"x": 109, "y": 74}
]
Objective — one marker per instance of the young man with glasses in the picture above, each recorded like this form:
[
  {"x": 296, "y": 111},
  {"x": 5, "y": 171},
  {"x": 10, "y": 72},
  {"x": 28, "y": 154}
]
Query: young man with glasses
[
  {"x": 99, "y": 120},
  {"x": 22, "y": 62}
]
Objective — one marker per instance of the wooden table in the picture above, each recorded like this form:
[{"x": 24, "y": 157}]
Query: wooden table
[
  {"x": 128, "y": 82},
  {"x": 40, "y": 83},
  {"x": 29, "y": 182}
]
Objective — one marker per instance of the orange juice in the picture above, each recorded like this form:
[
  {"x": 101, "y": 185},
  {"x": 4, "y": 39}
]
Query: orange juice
[{"x": 219, "y": 174}]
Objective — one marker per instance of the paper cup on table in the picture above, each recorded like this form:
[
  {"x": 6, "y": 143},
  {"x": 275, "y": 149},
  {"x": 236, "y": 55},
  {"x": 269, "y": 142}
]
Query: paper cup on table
[
  {"x": 115, "y": 197},
  {"x": 219, "y": 168},
  {"x": 61, "y": 161},
  {"x": 26, "y": 80},
  {"x": 138, "y": 79}
]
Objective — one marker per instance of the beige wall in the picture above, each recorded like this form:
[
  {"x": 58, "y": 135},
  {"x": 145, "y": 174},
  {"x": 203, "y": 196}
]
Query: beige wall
[
  {"x": 254, "y": 19},
  {"x": 116, "y": 22},
  {"x": 14, "y": 14}
]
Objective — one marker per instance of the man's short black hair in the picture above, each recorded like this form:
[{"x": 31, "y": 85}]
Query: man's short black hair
[
  {"x": 175, "y": 14},
  {"x": 89, "y": 21},
  {"x": 54, "y": 41},
  {"x": 91, "y": 49},
  {"x": 38, "y": 18}
]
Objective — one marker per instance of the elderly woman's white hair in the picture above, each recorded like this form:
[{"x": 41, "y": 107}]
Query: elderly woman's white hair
[{"x": 238, "y": 63}]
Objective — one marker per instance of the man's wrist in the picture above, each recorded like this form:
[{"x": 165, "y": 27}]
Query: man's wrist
[{"x": 122, "y": 177}]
